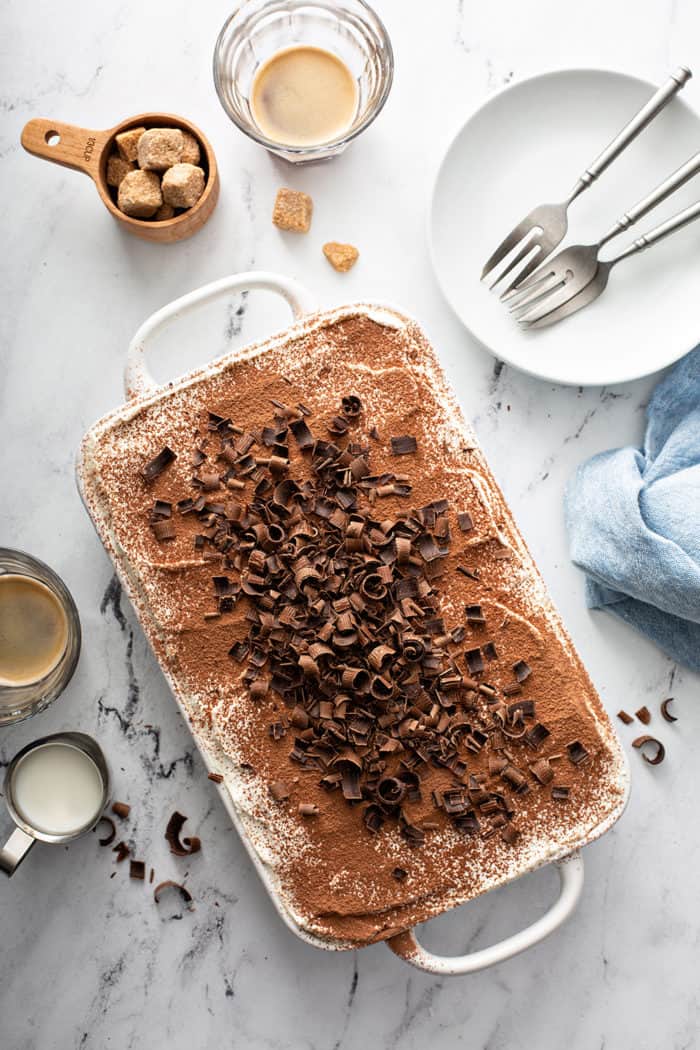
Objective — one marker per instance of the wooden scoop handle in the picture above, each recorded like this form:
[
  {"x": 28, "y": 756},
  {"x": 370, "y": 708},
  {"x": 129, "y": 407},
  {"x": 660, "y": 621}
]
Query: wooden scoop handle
[{"x": 65, "y": 144}]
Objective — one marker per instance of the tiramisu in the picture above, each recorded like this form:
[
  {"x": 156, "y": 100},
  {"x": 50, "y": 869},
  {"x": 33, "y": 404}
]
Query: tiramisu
[{"x": 336, "y": 589}]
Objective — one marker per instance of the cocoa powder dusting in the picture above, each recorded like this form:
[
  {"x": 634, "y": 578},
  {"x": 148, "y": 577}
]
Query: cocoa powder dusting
[{"x": 336, "y": 877}]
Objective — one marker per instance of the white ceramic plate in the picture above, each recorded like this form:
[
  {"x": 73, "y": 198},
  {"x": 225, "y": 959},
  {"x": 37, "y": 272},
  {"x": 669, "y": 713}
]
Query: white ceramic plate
[{"x": 528, "y": 145}]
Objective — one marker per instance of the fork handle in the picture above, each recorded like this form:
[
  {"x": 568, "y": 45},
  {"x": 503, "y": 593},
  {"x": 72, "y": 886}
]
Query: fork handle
[
  {"x": 637, "y": 124},
  {"x": 665, "y": 229},
  {"x": 674, "y": 182}
]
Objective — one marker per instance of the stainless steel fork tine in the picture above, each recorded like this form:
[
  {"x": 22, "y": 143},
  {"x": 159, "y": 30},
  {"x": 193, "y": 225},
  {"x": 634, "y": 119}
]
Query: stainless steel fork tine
[
  {"x": 506, "y": 246},
  {"x": 514, "y": 297},
  {"x": 525, "y": 270},
  {"x": 547, "y": 289}
]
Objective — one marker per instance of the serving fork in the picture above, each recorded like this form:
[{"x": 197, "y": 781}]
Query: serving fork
[
  {"x": 545, "y": 227},
  {"x": 594, "y": 288},
  {"x": 561, "y": 278}
]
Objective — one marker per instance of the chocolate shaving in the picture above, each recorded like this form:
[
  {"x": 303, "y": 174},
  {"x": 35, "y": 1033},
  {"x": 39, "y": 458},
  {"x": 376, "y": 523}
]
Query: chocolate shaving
[
  {"x": 169, "y": 884},
  {"x": 665, "y": 713},
  {"x": 279, "y": 790},
  {"x": 109, "y": 838},
  {"x": 184, "y": 847},
  {"x": 522, "y": 671},
  {"x": 577, "y": 752},
  {"x": 137, "y": 870},
  {"x": 464, "y": 520},
  {"x": 644, "y": 715},
  {"x": 157, "y": 465},
  {"x": 659, "y": 754},
  {"x": 624, "y": 717},
  {"x": 399, "y": 874},
  {"x": 308, "y": 809},
  {"x": 122, "y": 851},
  {"x": 216, "y": 777},
  {"x": 560, "y": 793},
  {"x": 475, "y": 616},
  {"x": 542, "y": 771},
  {"x": 404, "y": 445},
  {"x": 351, "y": 406},
  {"x": 475, "y": 662},
  {"x": 121, "y": 809},
  {"x": 163, "y": 529}
]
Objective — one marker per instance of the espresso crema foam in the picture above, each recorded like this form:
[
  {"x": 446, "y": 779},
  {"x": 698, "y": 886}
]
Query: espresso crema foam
[{"x": 376, "y": 796}]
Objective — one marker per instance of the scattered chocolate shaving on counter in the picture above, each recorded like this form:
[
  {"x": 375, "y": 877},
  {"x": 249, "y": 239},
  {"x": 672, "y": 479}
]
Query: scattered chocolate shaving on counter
[
  {"x": 577, "y": 752},
  {"x": 624, "y": 717},
  {"x": 169, "y": 884},
  {"x": 152, "y": 875},
  {"x": 216, "y": 777},
  {"x": 404, "y": 445},
  {"x": 665, "y": 713},
  {"x": 157, "y": 465},
  {"x": 122, "y": 851},
  {"x": 137, "y": 870},
  {"x": 560, "y": 793},
  {"x": 121, "y": 809},
  {"x": 109, "y": 838},
  {"x": 180, "y": 847},
  {"x": 644, "y": 715},
  {"x": 659, "y": 754}
]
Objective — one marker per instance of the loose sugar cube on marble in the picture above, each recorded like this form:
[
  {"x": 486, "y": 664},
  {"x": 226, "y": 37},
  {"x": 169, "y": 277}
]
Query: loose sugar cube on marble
[
  {"x": 293, "y": 210},
  {"x": 342, "y": 257},
  {"x": 127, "y": 143},
  {"x": 183, "y": 185},
  {"x": 140, "y": 195},
  {"x": 160, "y": 148}
]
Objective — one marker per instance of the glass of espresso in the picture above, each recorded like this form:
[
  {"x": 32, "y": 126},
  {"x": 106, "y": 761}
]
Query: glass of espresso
[
  {"x": 39, "y": 636},
  {"x": 303, "y": 77}
]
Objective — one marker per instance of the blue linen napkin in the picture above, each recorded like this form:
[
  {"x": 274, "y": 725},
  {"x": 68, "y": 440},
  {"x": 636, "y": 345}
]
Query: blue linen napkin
[{"x": 633, "y": 517}]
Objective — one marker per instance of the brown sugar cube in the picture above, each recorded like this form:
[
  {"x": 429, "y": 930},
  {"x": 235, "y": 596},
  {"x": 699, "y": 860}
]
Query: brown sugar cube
[
  {"x": 140, "y": 195},
  {"x": 160, "y": 148},
  {"x": 342, "y": 257},
  {"x": 183, "y": 185},
  {"x": 190, "y": 149},
  {"x": 292, "y": 210},
  {"x": 117, "y": 168},
  {"x": 166, "y": 211},
  {"x": 127, "y": 143}
]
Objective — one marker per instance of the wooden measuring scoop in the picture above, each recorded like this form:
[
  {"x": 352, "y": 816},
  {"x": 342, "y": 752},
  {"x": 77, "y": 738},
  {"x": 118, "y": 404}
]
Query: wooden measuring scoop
[{"x": 88, "y": 151}]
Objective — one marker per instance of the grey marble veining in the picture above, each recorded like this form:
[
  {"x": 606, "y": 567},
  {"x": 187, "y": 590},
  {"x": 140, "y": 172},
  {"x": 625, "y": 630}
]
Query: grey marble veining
[{"x": 87, "y": 960}]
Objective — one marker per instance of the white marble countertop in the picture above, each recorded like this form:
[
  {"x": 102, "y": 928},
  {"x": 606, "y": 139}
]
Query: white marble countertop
[{"x": 89, "y": 961}]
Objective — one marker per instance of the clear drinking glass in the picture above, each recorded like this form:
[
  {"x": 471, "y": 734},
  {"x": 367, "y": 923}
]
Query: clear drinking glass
[
  {"x": 259, "y": 28},
  {"x": 21, "y": 701}
]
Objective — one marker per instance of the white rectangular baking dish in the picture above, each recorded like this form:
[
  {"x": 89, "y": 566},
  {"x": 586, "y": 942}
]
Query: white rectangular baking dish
[{"x": 141, "y": 387}]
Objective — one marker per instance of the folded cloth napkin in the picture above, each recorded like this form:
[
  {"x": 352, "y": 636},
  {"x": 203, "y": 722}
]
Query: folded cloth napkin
[{"x": 633, "y": 517}]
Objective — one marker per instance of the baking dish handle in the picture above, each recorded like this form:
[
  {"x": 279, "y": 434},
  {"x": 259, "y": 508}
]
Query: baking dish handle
[
  {"x": 406, "y": 945},
  {"x": 138, "y": 380}
]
